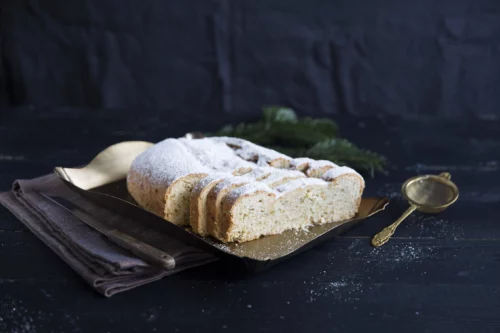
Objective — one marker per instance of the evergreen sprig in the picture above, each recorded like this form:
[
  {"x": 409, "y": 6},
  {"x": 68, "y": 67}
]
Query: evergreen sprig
[{"x": 282, "y": 130}]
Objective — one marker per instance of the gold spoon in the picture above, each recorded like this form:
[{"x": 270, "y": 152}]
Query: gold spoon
[{"x": 428, "y": 194}]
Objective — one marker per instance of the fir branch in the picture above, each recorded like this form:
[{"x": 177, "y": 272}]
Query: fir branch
[
  {"x": 343, "y": 152},
  {"x": 281, "y": 130}
]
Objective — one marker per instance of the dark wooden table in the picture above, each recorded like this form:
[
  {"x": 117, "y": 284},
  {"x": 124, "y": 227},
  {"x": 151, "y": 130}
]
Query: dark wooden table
[{"x": 439, "y": 273}]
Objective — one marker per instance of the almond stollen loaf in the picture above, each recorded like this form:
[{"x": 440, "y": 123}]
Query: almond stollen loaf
[{"x": 235, "y": 190}]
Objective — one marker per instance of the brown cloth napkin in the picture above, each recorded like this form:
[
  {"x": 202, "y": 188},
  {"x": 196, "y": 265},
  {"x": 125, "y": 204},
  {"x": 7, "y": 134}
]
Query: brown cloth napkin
[{"x": 107, "y": 267}]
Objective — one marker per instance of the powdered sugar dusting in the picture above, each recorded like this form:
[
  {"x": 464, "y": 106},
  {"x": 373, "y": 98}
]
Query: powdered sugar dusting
[
  {"x": 345, "y": 290},
  {"x": 280, "y": 174},
  {"x": 301, "y": 162},
  {"x": 252, "y": 152},
  {"x": 216, "y": 155},
  {"x": 259, "y": 173},
  {"x": 171, "y": 159},
  {"x": 262, "y": 179},
  {"x": 167, "y": 161},
  {"x": 315, "y": 165},
  {"x": 298, "y": 183},
  {"x": 248, "y": 189},
  {"x": 231, "y": 181},
  {"x": 338, "y": 171},
  {"x": 208, "y": 180},
  {"x": 310, "y": 166}
]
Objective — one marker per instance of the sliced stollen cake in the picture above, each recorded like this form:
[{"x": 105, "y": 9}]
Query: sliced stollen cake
[
  {"x": 199, "y": 195},
  {"x": 255, "y": 209},
  {"x": 235, "y": 190},
  {"x": 218, "y": 193}
]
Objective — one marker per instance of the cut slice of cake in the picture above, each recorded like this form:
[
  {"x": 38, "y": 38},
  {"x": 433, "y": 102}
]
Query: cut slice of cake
[
  {"x": 199, "y": 196},
  {"x": 255, "y": 210},
  {"x": 198, "y": 212},
  {"x": 218, "y": 193}
]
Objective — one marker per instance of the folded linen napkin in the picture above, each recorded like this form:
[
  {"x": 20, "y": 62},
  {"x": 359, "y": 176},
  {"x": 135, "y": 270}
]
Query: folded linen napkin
[{"x": 108, "y": 268}]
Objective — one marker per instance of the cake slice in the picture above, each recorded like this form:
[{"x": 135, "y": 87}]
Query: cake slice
[
  {"x": 199, "y": 196},
  {"x": 214, "y": 210},
  {"x": 217, "y": 193},
  {"x": 255, "y": 209},
  {"x": 198, "y": 212}
]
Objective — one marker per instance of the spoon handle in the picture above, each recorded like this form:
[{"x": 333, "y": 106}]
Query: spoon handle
[{"x": 383, "y": 236}]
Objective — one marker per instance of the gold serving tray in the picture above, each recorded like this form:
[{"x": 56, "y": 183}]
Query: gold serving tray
[{"x": 103, "y": 180}]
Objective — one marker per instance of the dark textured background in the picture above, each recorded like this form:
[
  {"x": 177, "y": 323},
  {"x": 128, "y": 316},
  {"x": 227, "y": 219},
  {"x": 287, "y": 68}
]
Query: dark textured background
[
  {"x": 360, "y": 57},
  {"x": 80, "y": 75}
]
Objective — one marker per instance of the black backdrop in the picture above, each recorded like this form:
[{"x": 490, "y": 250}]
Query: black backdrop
[{"x": 365, "y": 57}]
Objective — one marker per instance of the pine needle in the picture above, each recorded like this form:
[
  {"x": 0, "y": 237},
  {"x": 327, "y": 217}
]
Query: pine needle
[{"x": 282, "y": 130}]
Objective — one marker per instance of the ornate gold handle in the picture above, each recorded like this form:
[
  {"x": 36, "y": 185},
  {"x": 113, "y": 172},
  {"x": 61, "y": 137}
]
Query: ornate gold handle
[
  {"x": 446, "y": 175},
  {"x": 382, "y": 237}
]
